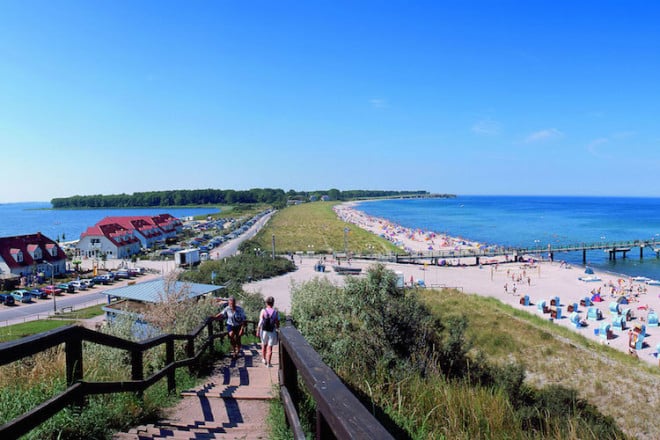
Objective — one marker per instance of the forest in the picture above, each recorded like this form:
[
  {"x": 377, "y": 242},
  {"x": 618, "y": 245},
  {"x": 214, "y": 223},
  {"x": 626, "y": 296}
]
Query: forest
[{"x": 275, "y": 197}]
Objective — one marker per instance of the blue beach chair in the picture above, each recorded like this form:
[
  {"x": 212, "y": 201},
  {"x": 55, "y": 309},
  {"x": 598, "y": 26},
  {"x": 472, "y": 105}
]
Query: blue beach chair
[
  {"x": 604, "y": 331},
  {"x": 614, "y": 308},
  {"x": 619, "y": 322},
  {"x": 593, "y": 314},
  {"x": 652, "y": 319}
]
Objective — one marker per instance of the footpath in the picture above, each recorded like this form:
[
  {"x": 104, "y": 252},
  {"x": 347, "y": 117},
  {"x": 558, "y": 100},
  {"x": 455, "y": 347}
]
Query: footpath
[{"x": 232, "y": 403}]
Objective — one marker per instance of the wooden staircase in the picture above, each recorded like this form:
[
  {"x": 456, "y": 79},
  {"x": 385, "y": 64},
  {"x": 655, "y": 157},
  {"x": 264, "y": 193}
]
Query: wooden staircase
[{"x": 232, "y": 403}]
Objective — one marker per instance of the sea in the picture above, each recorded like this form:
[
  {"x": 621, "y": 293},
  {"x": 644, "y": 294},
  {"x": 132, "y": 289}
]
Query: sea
[
  {"x": 533, "y": 221},
  {"x": 68, "y": 224}
]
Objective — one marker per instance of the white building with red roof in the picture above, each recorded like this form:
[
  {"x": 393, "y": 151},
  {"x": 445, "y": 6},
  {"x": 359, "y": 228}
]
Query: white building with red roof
[
  {"x": 121, "y": 237},
  {"x": 29, "y": 254},
  {"x": 111, "y": 240}
]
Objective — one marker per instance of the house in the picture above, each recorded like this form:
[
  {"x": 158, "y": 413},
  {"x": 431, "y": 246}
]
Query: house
[
  {"x": 27, "y": 255},
  {"x": 117, "y": 236},
  {"x": 110, "y": 240}
]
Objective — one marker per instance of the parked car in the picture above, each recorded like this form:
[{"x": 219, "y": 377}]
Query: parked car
[
  {"x": 88, "y": 282},
  {"x": 51, "y": 290},
  {"x": 22, "y": 296},
  {"x": 135, "y": 271},
  {"x": 38, "y": 294},
  {"x": 122, "y": 274},
  {"x": 7, "y": 299},
  {"x": 67, "y": 287},
  {"x": 102, "y": 279},
  {"x": 78, "y": 285}
]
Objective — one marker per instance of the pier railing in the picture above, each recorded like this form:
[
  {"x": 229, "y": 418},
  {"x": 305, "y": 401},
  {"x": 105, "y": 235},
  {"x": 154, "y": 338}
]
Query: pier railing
[{"x": 434, "y": 256}]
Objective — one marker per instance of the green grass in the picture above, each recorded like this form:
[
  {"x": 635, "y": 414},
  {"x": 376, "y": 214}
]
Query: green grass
[
  {"x": 17, "y": 331},
  {"x": 86, "y": 313},
  {"x": 315, "y": 227}
]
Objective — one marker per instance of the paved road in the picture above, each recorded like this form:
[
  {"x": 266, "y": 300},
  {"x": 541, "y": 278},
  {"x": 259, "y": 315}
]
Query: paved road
[{"x": 43, "y": 308}]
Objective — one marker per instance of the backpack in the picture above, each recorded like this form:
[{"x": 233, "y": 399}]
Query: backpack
[{"x": 269, "y": 321}]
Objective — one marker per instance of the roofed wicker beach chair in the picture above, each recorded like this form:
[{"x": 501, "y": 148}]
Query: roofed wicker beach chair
[
  {"x": 619, "y": 322},
  {"x": 605, "y": 331},
  {"x": 652, "y": 319},
  {"x": 593, "y": 314}
]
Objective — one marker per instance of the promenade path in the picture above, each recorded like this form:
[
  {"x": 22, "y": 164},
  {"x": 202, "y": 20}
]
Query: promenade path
[{"x": 232, "y": 403}]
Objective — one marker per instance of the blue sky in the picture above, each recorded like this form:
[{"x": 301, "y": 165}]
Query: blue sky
[{"x": 464, "y": 97}]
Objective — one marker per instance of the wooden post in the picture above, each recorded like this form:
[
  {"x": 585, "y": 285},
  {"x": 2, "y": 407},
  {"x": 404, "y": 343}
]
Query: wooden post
[
  {"x": 169, "y": 359},
  {"x": 137, "y": 368},
  {"x": 323, "y": 430},
  {"x": 190, "y": 352},
  {"x": 584, "y": 256},
  {"x": 209, "y": 328},
  {"x": 74, "y": 365}
]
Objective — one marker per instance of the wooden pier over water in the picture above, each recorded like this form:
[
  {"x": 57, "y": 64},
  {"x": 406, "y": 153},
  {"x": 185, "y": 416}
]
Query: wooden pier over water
[{"x": 612, "y": 248}]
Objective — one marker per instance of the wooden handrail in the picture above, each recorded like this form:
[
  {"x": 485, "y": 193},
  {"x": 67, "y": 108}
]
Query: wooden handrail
[
  {"x": 339, "y": 413},
  {"x": 73, "y": 336}
]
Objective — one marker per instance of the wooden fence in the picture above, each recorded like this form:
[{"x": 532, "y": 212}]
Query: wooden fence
[
  {"x": 77, "y": 389},
  {"x": 339, "y": 414}
]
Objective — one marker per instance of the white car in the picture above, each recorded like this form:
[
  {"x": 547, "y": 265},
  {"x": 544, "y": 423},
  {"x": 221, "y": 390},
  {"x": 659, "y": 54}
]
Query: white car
[{"x": 79, "y": 285}]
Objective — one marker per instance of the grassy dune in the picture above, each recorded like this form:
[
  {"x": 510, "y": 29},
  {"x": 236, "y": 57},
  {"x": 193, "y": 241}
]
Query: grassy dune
[
  {"x": 619, "y": 385},
  {"x": 315, "y": 227}
]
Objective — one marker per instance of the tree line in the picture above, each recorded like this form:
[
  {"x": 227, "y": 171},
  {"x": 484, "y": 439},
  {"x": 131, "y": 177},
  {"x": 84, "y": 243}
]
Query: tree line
[{"x": 275, "y": 197}]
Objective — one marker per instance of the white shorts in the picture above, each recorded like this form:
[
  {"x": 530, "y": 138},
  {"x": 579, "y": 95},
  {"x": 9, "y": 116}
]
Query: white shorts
[{"x": 269, "y": 338}]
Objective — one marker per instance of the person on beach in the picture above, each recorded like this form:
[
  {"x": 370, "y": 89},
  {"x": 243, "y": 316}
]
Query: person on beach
[
  {"x": 269, "y": 322},
  {"x": 235, "y": 319}
]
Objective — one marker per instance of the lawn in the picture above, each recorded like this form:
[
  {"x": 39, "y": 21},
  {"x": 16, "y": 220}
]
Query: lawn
[
  {"x": 17, "y": 331},
  {"x": 314, "y": 227}
]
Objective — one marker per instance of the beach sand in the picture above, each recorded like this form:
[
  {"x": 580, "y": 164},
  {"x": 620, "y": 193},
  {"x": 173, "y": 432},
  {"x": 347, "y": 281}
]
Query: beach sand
[{"x": 541, "y": 281}]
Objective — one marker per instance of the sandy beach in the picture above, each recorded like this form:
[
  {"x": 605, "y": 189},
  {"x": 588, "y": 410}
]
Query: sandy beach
[{"x": 508, "y": 282}]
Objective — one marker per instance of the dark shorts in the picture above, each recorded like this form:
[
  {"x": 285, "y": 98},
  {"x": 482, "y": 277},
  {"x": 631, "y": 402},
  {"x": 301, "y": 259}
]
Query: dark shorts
[{"x": 234, "y": 328}]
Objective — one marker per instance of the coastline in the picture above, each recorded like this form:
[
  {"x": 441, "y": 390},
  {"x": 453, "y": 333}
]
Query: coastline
[{"x": 511, "y": 282}]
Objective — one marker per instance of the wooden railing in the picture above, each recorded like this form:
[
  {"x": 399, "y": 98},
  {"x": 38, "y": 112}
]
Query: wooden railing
[
  {"x": 77, "y": 389},
  {"x": 339, "y": 414}
]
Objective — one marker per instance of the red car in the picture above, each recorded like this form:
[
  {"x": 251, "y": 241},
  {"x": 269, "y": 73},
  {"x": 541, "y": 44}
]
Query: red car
[{"x": 51, "y": 290}]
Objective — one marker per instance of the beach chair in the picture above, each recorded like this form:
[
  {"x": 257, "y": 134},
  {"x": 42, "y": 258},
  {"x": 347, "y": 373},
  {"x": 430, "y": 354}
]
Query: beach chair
[
  {"x": 572, "y": 307},
  {"x": 575, "y": 319},
  {"x": 652, "y": 319},
  {"x": 636, "y": 337},
  {"x": 524, "y": 300},
  {"x": 555, "y": 301},
  {"x": 605, "y": 331},
  {"x": 593, "y": 314},
  {"x": 586, "y": 302},
  {"x": 614, "y": 308},
  {"x": 541, "y": 306},
  {"x": 555, "y": 312},
  {"x": 627, "y": 313},
  {"x": 619, "y": 322}
]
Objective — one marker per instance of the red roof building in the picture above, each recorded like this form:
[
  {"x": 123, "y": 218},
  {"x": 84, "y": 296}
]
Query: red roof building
[
  {"x": 28, "y": 254},
  {"x": 121, "y": 237}
]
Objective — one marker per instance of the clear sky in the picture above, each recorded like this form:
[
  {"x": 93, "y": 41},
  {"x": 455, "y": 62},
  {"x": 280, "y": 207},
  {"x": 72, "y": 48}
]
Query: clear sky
[{"x": 464, "y": 97}]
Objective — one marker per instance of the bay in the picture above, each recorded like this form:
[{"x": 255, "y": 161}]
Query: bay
[
  {"x": 529, "y": 221},
  {"x": 32, "y": 217}
]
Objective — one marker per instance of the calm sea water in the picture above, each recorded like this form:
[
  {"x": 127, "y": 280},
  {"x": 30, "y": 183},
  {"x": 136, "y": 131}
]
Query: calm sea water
[
  {"x": 33, "y": 217},
  {"x": 538, "y": 221}
]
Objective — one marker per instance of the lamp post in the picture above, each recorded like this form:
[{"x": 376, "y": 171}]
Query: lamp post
[{"x": 52, "y": 270}]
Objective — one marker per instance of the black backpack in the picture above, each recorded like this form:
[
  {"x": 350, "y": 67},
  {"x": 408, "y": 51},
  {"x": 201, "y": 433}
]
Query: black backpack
[{"x": 269, "y": 321}]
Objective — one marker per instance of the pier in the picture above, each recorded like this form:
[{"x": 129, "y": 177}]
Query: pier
[{"x": 612, "y": 248}]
